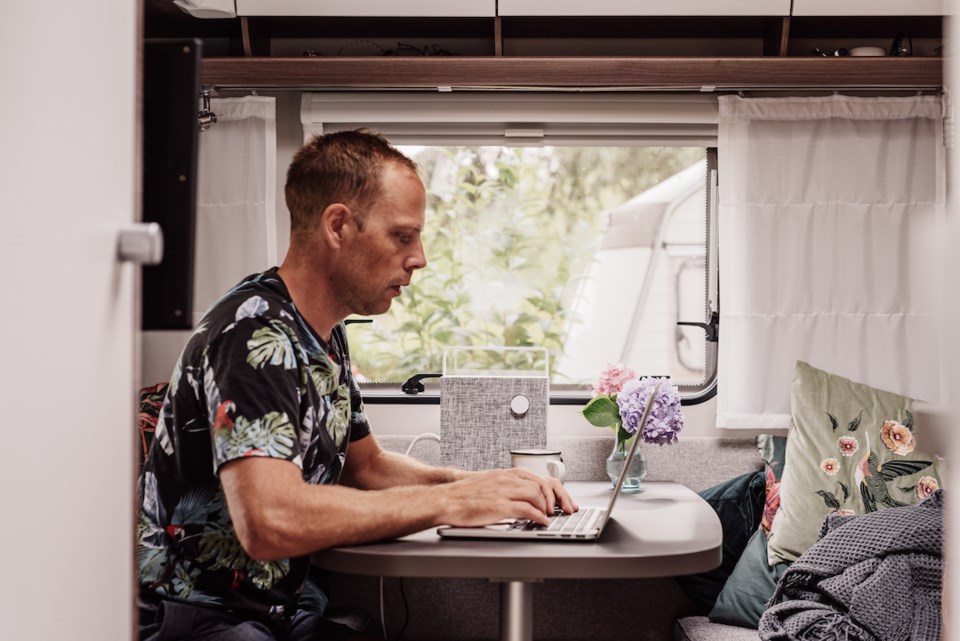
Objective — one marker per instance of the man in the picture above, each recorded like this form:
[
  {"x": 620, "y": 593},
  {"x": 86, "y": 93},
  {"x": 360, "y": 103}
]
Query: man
[{"x": 262, "y": 452}]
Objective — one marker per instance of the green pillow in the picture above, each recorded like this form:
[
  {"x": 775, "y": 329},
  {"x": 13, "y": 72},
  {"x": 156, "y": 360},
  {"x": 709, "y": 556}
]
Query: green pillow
[
  {"x": 752, "y": 583},
  {"x": 738, "y": 504},
  {"x": 852, "y": 449}
]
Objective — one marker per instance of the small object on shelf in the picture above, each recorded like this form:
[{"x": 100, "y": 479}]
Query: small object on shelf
[
  {"x": 867, "y": 51},
  {"x": 902, "y": 46},
  {"x": 829, "y": 54}
]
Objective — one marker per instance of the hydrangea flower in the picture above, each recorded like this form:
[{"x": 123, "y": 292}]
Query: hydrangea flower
[
  {"x": 612, "y": 379},
  {"x": 620, "y": 399},
  {"x": 665, "y": 420}
]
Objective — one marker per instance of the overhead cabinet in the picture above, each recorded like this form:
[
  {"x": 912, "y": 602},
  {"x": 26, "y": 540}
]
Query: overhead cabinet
[
  {"x": 632, "y": 8},
  {"x": 630, "y": 45},
  {"x": 369, "y": 8},
  {"x": 868, "y": 7},
  {"x": 505, "y": 8}
]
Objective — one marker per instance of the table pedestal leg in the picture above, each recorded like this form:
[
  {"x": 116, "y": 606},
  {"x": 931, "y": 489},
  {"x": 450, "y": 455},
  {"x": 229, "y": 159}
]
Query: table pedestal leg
[{"x": 516, "y": 611}]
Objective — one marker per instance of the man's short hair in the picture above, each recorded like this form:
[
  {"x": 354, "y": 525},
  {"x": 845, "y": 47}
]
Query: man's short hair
[{"x": 342, "y": 167}]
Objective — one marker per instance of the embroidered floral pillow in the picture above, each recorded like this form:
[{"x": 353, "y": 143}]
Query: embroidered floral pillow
[{"x": 852, "y": 449}]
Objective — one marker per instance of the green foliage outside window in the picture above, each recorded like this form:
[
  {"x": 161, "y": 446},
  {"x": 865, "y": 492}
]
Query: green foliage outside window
[{"x": 509, "y": 231}]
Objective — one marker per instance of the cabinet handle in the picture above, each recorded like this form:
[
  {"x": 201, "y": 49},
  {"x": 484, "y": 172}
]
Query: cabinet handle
[{"x": 141, "y": 243}]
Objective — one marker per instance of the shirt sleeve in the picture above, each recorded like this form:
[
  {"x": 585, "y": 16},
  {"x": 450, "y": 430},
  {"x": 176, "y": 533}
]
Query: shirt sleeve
[
  {"x": 251, "y": 383},
  {"x": 359, "y": 425}
]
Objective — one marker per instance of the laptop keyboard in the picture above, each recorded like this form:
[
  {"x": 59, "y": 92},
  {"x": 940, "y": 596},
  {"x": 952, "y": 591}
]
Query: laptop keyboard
[{"x": 565, "y": 523}]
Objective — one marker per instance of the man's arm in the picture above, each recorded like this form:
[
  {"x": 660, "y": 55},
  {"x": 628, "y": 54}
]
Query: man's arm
[
  {"x": 370, "y": 467},
  {"x": 277, "y": 515}
]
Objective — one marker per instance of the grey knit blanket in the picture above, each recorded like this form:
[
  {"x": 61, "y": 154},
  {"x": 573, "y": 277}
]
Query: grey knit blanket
[{"x": 875, "y": 577}]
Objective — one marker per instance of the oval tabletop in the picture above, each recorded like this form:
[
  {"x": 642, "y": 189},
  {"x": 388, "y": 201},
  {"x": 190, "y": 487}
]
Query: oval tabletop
[{"x": 662, "y": 529}]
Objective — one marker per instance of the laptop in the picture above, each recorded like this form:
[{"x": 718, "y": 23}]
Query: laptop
[{"x": 584, "y": 525}]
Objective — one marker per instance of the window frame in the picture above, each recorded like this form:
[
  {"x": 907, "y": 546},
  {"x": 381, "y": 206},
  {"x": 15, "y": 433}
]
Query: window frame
[{"x": 512, "y": 118}]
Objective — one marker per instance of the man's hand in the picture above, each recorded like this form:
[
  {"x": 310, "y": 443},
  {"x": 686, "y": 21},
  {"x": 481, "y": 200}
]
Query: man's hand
[{"x": 514, "y": 493}]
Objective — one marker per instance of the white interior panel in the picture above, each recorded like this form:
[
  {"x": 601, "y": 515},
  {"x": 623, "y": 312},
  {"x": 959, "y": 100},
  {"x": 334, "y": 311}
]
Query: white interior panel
[
  {"x": 629, "y": 8},
  {"x": 368, "y": 8},
  {"x": 867, "y": 7},
  {"x": 67, "y": 482}
]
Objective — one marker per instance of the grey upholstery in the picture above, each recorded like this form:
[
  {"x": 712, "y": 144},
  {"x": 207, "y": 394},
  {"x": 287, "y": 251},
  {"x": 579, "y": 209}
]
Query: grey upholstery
[
  {"x": 701, "y": 629},
  {"x": 698, "y": 462}
]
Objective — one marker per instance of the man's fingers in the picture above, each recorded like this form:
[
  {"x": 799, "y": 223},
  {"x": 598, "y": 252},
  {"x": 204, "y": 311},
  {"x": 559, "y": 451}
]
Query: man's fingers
[
  {"x": 507, "y": 493},
  {"x": 552, "y": 490}
]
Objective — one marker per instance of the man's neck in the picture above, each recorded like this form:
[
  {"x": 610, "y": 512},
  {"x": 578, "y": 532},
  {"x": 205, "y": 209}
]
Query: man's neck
[{"x": 311, "y": 295}]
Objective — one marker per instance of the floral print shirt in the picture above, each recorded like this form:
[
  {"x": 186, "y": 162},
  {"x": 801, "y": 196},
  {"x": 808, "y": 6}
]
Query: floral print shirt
[{"x": 254, "y": 380}]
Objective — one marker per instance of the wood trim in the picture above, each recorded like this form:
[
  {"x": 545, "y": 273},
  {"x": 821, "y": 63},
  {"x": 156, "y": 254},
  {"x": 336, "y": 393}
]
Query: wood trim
[
  {"x": 255, "y": 40},
  {"x": 776, "y": 37},
  {"x": 497, "y": 36},
  {"x": 564, "y": 72},
  {"x": 785, "y": 36}
]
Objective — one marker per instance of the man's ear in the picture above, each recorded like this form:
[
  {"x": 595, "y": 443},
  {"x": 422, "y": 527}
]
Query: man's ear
[{"x": 333, "y": 224}]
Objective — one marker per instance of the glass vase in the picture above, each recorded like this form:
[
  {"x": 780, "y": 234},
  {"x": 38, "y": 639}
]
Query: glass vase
[{"x": 637, "y": 468}]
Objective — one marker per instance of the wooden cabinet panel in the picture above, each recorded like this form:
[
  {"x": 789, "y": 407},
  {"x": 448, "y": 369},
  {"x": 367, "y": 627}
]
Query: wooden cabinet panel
[{"x": 682, "y": 74}]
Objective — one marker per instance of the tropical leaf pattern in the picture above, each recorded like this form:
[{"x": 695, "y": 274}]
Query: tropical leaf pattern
[
  {"x": 270, "y": 346},
  {"x": 254, "y": 380},
  {"x": 338, "y": 419},
  {"x": 325, "y": 376},
  {"x": 271, "y": 435}
]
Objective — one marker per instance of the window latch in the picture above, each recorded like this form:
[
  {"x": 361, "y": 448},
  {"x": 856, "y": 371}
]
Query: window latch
[
  {"x": 413, "y": 386},
  {"x": 712, "y": 328}
]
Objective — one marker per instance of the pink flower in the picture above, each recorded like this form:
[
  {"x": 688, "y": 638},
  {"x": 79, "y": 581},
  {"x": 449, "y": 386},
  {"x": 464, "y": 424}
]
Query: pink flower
[
  {"x": 926, "y": 486},
  {"x": 612, "y": 379},
  {"x": 830, "y": 466},
  {"x": 848, "y": 445},
  {"x": 898, "y": 438},
  {"x": 843, "y": 511}
]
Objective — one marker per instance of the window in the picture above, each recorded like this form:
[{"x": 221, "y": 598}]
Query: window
[{"x": 593, "y": 248}]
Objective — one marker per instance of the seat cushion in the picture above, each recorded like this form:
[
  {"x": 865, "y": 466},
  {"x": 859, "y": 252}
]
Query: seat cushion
[{"x": 702, "y": 629}]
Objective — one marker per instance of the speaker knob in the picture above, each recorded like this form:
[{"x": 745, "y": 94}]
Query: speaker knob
[{"x": 519, "y": 405}]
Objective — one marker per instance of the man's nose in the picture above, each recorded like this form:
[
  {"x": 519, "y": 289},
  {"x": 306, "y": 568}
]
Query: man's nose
[{"x": 418, "y": 259}]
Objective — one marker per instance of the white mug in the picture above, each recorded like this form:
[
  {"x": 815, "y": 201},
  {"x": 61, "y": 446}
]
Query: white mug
[{"x": 547, "y": 463}]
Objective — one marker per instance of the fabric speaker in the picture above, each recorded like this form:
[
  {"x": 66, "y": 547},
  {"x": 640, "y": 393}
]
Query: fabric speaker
[
  {"x": 485, "y": 415},
  {"x": 480, "y": 424}
]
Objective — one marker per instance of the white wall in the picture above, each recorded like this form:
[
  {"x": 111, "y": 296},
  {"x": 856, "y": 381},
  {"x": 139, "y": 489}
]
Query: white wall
[
  {"x": 68, "y": 176},
  {"x": 950, "y": 314},
  {"x": 562, "y": 420}
]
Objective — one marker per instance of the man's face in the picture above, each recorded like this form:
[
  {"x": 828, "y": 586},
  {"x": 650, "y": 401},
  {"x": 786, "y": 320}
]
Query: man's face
[{"x": 383, "y": 253}]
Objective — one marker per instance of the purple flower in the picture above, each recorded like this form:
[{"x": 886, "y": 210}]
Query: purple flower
[{"x": 665, "y": 419}]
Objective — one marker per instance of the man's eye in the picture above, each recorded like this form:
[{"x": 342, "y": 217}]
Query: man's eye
[{"x": 404, "y": 238}]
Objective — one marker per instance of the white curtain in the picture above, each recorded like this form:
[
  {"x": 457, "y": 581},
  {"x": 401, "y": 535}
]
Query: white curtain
[
  {"x": 236, "y": 196},
  {"x": 827, "y": 206}
]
